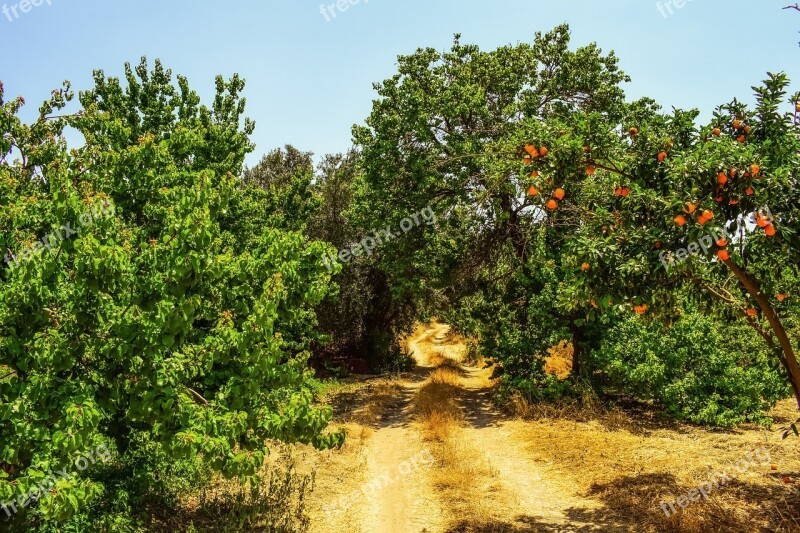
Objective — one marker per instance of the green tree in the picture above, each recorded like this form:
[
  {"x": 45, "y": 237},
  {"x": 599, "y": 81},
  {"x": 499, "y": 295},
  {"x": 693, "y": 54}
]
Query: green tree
[{"x": 149, "y": 319}]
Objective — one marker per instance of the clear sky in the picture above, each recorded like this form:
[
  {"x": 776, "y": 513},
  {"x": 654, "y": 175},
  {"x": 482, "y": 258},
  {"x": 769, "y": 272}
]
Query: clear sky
[{"x": 310, "y": 78}]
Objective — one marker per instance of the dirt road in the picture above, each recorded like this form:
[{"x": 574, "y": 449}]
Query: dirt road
[{"x": 478, "y": 479}]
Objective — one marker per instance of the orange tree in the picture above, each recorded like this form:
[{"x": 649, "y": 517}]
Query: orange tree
[{"x": 656, "y": 203}]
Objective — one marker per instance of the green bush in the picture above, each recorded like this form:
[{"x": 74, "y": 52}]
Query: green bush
[{"x": 701, "y": 369}]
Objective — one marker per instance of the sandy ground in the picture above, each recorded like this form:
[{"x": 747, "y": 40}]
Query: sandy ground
[{"x": 399, "y": 497}]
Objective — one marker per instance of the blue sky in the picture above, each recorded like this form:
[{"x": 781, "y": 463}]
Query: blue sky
[{"x": 310, "y": 79}]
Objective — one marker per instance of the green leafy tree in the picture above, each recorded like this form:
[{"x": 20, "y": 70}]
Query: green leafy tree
[{"x": 150, "y": 318}]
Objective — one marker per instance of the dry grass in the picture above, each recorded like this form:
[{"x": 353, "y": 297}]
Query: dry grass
[
  {"x": 631, "y": 470},
  {"x": 463, "y": 479},
  {"x": 559, "y": 360}
]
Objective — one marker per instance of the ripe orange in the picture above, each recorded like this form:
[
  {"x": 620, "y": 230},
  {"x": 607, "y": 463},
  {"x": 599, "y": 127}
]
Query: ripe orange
[
  {"x": 755, "y": 169},
  {"x": 532, "y": 151},
  {"x": 762, "y": 222},
  {"x": 633, "y": 131},
  {"x": 527, "y": 160},
  {"x": 708, "y": 215},
  {"x": 658, "y": 245},
  {"x": 741, "y": 138},
  {"x": 737, "y": 124},
  {"x": 535, "y": 174},
  {"x": 558, "y": 194},
  {"x": 717, "y": 132},
  {"x": 797, "y": 107},
  {"x": 690, "y": 208},
  {"x": 532, "y": 191},
  {"x": 590, "y": 170},
  {"x": 551, "y": 204},
  {"x": 749, "y": 191},
  {"x": 585, "y": 267},
  {"x": 752, "y": 312},
  {"x": 723, "y": 255},
  {"x": 718, "y": 198},
  {"x": 733, "y": 202},
  {"x": 543, "y": 151},
  {"x": 770, "y": 230},
  {"x": 680, "y": 220},
  {"x": 774, "y": 467},
  {"x": 722, "y": 243},
  {"x": 722, "y": 179},
  {"x": 618, "y": 191},
  {"x": 662, "y": 156},
  {"x": 626, "y": 192},
  {"x": 782, "y": 297}
]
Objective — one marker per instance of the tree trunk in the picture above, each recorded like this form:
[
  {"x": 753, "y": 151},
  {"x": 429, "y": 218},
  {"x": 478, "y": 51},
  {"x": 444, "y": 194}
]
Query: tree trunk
[{"x": 751, "y": 286}]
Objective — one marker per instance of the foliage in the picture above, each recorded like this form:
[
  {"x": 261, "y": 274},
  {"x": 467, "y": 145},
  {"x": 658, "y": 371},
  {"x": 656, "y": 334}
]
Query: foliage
[
  {"x": 150, "y": 319},
  {"x": 700, "y": 369}
]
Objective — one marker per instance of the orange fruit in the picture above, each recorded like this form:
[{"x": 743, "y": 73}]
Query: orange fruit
[
  {"x": 741, "y": 138},
  {"x": 551, "y": 204},
  {"x": 585, "y": 267},
  {"x": 754, "y": 312},
  {"x": 527, "y": 160},
  {"x": 722, "y": 179},
  {"x": 797, "y": 107},
  {"x": 626, "y": 192},
  {"x": 543, "y": 151},
  {"x": 680, "y": 220},
  {"x": 748, "y": 129},
  {"x": 708, "y": 215},
  {"x": 762, "y": 222},
  {"x": 733, "y": 202},
  {"x": 755, "y": 169},
  {"x": 658, "y": 245},
  {"x": 723, "y": 255},
  {"x": 717, "y": 132},
  {"x": 690, "y": 208},
  {"x": 633, "y": 131},
  {"x": 774, "y": 467},
  {"x": 590, "y": 170},
  {"x": 662, "y": 156},
  {"x": 782, "y": 297},
  {"x": 770, "y": 230},
  {"x": 532, "y": 191},
  {"x": 618, "y": 191},
  {"x": 558, "y": 194},
  {"x": 786, "y": 479},
  {"x": 586, "y": 148},
  {"x": 737, "y": 124},
  {"x": 722, "y": 243},
  {"x": 532, "y": 151},
  {"x": 749, "y": 191},
  {"x": 535, "y": 174},
  {"x": 718, "y": 198}
]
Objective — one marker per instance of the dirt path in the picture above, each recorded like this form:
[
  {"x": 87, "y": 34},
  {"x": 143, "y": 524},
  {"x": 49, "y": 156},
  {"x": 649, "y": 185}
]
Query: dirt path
[{"x": 399, "y": 489}]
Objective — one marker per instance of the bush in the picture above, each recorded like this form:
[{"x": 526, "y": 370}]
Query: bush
[{"x": 702, "y": 369}]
